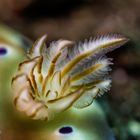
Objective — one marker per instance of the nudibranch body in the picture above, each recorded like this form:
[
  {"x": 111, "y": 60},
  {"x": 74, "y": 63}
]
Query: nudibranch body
[
  {"x": 12, "y": 52},
  {"x": 77, "y": 124},
  {"x": 63, "y": 75}
]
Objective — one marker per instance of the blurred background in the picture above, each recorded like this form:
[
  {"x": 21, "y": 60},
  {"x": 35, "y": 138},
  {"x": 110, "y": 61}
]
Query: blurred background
[{"x": 79, "y": 19}]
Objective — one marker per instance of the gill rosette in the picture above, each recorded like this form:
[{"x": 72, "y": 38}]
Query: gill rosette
[{"x": 60, "y": 76}]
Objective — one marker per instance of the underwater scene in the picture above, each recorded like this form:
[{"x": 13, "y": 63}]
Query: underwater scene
[{"x": 69, "y": 70}]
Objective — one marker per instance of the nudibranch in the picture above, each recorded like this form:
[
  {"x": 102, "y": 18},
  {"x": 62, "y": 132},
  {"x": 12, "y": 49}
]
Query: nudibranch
[
  {"x": 63, "y": 75},
  {"x": 12, "y": 52}
]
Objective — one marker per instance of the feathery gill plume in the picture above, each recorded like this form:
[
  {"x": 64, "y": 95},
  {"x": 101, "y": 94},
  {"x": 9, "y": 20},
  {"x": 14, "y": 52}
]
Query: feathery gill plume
[{"x": 62, "y": 75}]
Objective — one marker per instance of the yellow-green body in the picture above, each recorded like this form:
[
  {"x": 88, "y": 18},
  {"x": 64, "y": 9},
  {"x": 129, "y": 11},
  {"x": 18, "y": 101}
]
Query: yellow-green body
[
  {"x": 15, "y": 45},
  {"x": 87, "y": 123}
]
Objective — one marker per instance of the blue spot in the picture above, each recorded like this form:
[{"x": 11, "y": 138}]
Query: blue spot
[
  {"x": 66, "y": 130},
  {"x": 3, "y": 51}
]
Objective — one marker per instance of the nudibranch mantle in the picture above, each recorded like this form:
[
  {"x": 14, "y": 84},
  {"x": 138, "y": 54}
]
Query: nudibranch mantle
[{"x": 54, "y": 78}]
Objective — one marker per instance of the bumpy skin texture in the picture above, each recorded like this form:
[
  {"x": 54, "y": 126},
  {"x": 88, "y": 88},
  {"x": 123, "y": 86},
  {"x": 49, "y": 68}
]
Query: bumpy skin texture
[{"x": 55, "y": 78}]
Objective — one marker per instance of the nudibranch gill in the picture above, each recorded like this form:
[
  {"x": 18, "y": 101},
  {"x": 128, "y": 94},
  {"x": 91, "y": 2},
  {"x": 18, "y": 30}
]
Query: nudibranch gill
[{"x": 60, "y": 76}]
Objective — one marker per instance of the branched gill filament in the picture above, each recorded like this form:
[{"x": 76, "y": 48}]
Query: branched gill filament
[{"x": 51, "y": 81}]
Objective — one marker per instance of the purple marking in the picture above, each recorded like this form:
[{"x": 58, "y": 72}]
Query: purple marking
[
  {"x": 3, "y": 51},
  {"x": 65, "y": 130}
]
